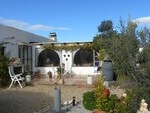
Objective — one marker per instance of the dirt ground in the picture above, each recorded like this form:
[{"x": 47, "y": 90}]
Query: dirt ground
[{"x": 37, "y": 98}]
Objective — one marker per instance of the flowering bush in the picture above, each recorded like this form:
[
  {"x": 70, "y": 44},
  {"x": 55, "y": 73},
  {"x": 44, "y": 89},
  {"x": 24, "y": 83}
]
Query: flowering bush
[{"x": 101, "y": 99}]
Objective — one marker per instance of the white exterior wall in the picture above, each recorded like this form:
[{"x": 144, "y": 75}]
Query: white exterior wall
[
  {"x": 45, "y": 70},
  {"x": 67, "y": 60},
  {"x": 82, "y": 71},
  {"x": 12, "y": 50},
  {"x": 76, "y": 71}
]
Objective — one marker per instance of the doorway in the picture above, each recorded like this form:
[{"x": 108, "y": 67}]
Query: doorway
[{"x": 25, "y": 54}]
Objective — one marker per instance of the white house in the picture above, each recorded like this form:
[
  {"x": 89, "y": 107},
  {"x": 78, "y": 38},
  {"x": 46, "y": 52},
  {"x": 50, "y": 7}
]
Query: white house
[{"x": 33, "y": 52}]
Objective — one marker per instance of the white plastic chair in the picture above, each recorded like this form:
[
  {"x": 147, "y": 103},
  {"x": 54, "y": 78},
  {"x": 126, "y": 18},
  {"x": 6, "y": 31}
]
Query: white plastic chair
[{"x": 15, "y": 77}]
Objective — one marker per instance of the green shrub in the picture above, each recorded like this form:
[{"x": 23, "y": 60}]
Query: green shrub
[
  {"x": 4, "y": 62},
  {"x": 101, "y": 100},
  {"x": 4, "y": 76},
  {"x": 122, "y": 108},
  {"x": 111, "y": 103},
  {"x": 101, "y": 54},
  {"x": 116, "y": 105},
  {"x": 89, "y": 100}
]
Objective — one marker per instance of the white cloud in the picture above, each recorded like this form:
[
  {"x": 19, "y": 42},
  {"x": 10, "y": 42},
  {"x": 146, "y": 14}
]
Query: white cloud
[
  {"x": 26, "y": 26},
  {"x": 14, "y": 23},
  {"x": 39, "y": 27},
  {"x": 142, "y": 20}
]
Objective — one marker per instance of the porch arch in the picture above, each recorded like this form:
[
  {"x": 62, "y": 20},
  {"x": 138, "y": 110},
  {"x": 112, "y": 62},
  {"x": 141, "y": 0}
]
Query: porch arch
[
  {"x": 48, "y": 57},
  {"x": 83, "y": 57}
]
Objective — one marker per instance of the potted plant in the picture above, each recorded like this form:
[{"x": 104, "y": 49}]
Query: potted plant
[
  {"x": 49, "y": 74},
  {"x": 60, "y": 71}
]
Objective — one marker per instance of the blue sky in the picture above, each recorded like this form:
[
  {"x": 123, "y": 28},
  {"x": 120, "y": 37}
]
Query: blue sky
[{"x": 72, "y": 20}]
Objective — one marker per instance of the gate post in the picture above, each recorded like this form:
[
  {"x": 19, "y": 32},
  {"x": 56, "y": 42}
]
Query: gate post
[{"x": 57, "y": 100}]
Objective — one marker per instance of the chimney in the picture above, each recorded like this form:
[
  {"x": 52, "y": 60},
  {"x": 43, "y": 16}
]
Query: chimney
[{"x": 53, "y": 37}]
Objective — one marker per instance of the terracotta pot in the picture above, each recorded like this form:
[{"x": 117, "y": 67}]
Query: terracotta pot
[
  {"x": 98, "y": 111},
  {"x": 106, "y": 92}
]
